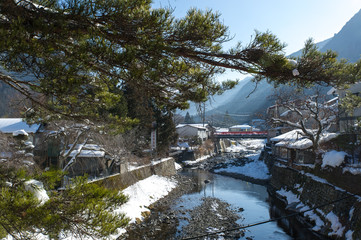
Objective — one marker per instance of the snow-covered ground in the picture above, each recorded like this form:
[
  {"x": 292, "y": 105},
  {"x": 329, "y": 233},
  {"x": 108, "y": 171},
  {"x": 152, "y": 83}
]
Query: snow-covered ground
[
  {"x": 201, "y": 159},
  {"x": 255, "y": 168},
  {"x": 142, "y": 194},
  {"x": 246, "y": 145}
]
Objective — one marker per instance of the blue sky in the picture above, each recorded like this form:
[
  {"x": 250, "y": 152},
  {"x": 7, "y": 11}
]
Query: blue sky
[{"x": 292, "y": 21}]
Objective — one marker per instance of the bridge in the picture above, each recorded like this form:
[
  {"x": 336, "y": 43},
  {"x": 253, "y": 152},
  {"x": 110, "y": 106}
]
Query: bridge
[{"x": 244, "y": 134}]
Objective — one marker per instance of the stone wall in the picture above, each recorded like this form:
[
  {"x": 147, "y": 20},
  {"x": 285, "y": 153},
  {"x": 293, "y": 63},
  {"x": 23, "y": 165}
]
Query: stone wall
[
  {"x": 314, "y": 191},
  {"x": 120, "y": 181}
]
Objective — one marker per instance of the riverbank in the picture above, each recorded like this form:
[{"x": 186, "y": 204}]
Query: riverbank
[
  {"x": 241, "y": 161},
  {"x": 197, "y": 205},
  {"x": 163, "y": 221}
]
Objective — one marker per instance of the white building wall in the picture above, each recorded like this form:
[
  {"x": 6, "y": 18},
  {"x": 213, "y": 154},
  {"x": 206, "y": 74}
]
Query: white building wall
[{"x": 189, "y": 131}]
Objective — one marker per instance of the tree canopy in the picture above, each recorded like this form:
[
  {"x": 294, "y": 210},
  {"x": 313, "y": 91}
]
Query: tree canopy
[
  {"x": 115, "y": 61},
  {"x": 83, "y": 55}
]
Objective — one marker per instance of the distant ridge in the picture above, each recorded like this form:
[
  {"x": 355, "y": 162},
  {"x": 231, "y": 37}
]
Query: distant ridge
[
  {"x": 320, "y": 45},
  {"x": 347, "y": 42}
]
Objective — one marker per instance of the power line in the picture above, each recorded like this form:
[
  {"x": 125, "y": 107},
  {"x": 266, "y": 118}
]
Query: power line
[{"x": 270, "y": 220}]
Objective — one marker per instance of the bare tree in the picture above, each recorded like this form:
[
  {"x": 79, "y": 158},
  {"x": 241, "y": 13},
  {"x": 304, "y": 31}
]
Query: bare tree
[{"x": 312, "y": 113}]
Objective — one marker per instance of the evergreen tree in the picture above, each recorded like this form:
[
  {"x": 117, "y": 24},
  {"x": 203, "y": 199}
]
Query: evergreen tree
[
  {"x": 27, "y": 211},
  {"x": 89, "y": 59},
  {"x": 187, "y": 118},
  {"x": 80, "y": 210},
  {"x": 227, "y": 120},
  {"x": 79, "y": 53}
]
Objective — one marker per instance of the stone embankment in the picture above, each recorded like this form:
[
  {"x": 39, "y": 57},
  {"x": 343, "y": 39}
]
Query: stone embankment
[{"x": 310, "y": 187}]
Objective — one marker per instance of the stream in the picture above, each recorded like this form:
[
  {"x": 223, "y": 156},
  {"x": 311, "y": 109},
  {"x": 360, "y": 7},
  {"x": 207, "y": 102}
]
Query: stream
[
  {"x": 251, "y": 198},
  {"x": 208, "y": 203}
]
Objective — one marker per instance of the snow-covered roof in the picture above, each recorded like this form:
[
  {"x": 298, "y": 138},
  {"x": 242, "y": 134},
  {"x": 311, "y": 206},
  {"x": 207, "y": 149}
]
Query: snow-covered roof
[
  {"x": 295, "y": 140},
  {"x": 87, "y": 151},
  {"x": 12, "y": 125},
  {"x": 222, "y": 130},
  {"x": 195, "y": 125},
  {"x": 241, "y": 126},
  {"x": 291, "y": 135},
  {"x": 183, "y": 144},
  {"x": 332, "y": 91}
]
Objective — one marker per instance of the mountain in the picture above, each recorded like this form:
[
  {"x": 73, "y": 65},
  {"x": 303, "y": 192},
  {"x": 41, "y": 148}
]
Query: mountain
[
  {"x": 247, "y": 101},
  {"x": 216, "y": 100},
  {"x": 11, "y": 101},
  {"x": 347, "y": 42},
  {"x": 320, "y": 45},
  {"x": 8, "y": 103}
]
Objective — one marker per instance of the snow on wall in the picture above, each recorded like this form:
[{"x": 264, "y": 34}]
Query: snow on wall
[
  {"x": 336, "y": 226},
  {"x": 290, "y": 196},
  {"x": 352, "y": 170}
]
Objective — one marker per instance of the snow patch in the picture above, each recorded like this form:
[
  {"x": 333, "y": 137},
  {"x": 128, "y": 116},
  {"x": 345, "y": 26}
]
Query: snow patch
[
  {"x": 351, "y": 213},
  {"x": 246, "y": 145},
  {"x": 348, "y": 235},
  {"x": 336, "y": 226},
  {"x": 333, "y": 159},
  {"x": 177, "y": 166},
  {"x": 254, "y": 169},
  {"x": 190, "y": 162},
  {"x": 290, "y": 196},
  {"x": 37, "y": 188},
  {"x": 20, "y": 132},
  {"x": 144, "y": 193},
  {"x": 313, "y": 217},
  {"x": 352, "y": 170}
]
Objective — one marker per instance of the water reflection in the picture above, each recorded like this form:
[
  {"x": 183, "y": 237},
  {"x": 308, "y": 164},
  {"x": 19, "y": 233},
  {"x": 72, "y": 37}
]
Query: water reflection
[{"x": 239, "y": 194}]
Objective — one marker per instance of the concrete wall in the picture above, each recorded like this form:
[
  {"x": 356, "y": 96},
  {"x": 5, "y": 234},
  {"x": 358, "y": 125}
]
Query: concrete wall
[
  {"x": 316, "y": 191},
  {"x": 122, "y": 180}
]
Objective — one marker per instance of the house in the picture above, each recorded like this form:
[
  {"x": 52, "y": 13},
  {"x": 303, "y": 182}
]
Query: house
[
  {"x": 18, "y": 126},
  {"x": 88, "y": 159},
  {"x": 240, "y": 128},
  {"x": 294, "y": 147},
  {"x": 201, "y": 131},
  {"x": 20, "y": 138}
]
